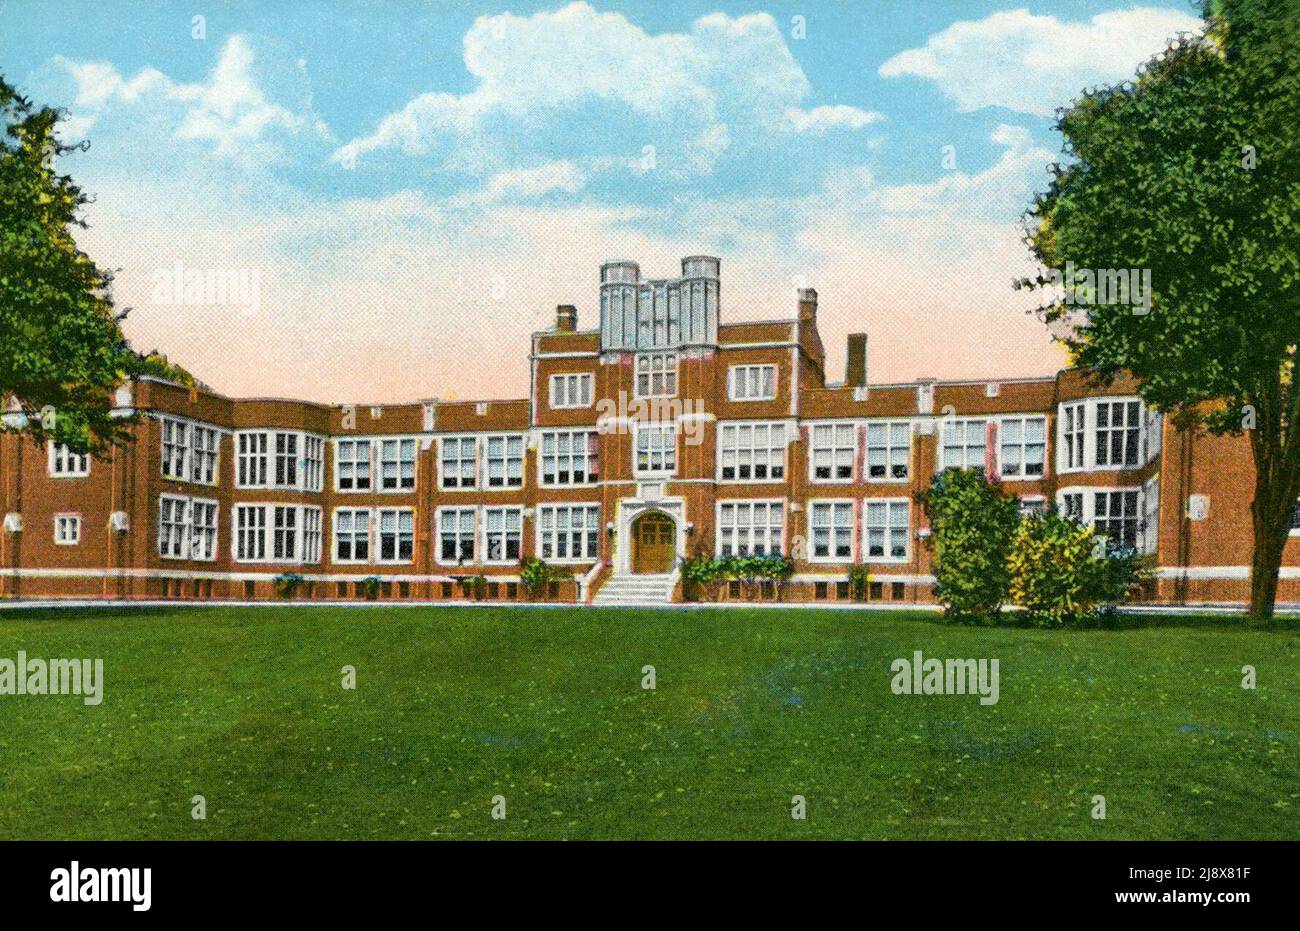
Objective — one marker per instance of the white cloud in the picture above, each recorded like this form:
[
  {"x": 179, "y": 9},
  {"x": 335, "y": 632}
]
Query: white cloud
[
  {"x": 606, "y": 84},
  {"x": 820, "y": 120},
  {"x": 229, "y": 111},
  {"x": 1034, "y": 64},
  {"x": 526, "y": 184}
]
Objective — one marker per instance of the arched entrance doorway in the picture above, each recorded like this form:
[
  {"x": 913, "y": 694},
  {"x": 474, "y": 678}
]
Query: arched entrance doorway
[{"x": 654, "y": 543}]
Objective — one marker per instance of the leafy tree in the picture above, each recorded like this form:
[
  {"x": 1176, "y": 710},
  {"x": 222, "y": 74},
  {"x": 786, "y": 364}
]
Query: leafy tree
[
  {"x": 1192, "y": 171},
  {"x": 971, "y": 527},
  {"x": 61, "y": 344}
]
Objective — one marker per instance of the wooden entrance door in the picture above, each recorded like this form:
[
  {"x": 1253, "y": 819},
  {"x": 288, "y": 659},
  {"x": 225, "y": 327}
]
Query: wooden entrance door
[{"x": 654, "y": 543}]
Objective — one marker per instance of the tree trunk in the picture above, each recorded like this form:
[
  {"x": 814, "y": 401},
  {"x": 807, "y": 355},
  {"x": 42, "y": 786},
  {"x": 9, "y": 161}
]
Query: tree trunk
[{"x": 1271, "y": 519}]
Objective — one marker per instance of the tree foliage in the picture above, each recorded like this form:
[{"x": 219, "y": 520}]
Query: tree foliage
[
  {"x": 1192, "y": 171},
  {"x": 61, "y": 346},
  {"x": 972, "y": 523}
]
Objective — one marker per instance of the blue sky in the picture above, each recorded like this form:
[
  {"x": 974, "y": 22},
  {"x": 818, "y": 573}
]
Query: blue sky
[{"x": 449, "y": 172}]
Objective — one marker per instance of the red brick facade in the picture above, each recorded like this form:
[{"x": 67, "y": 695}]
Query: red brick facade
[{"x": 430, "y": 496}]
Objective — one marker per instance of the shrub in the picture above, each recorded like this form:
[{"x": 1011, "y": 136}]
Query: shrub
[
  {"x": 370, "y": 587},
  {"x": 972, "y": 524},
  {"x": 287, "y": 584},
  {"x": 698, "y": 575},
  {"x": 860, "y": 581},
  {"x": 536, "y": 576},
  {"x": 1060, "y": 579}
]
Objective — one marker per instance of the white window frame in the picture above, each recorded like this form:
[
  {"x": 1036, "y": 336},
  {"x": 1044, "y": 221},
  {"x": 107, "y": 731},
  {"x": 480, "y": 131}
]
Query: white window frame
[
  {"x": 1131, "y": 432},
  {"x": 752, "y": 382},
  {"x": 752, "y": 530},
  {"x": 67, "y": 529},
  {"x": 264, "y": 533},
  {"x": 1031, "y": 505},
  {"x": 833, "y": 532},
  {"x": 359, "y": 525},
  {"x": 205, "y": 454},
  {"x": 660, "y": 368},
  {"x": 254, "y": 533},
  {"x": 588, "y": 534},
  {"x": 174, "y": 534},
  {"x": 461, "y": 443},
  {"x": 890, "y": 447},
  {"x": 486, "y": 534},
  {"x": 510, "y": 477},
  {"x": 570, "y": 390},
  {"x": 1088, "y": 507},
  {"x": 398, "y": 533},
  {"x": 1142, "y": 447},
  {"x": 964, "y": 444},
  {"x": 64, "y": 463},
  {"x": 835, "y": 449},
  {"x": 733, "y": 449},
  {"x": 203, "y": 537},
  {"x": 175, "y": 449},
  {"x": 1023, "y": 444},
  {"x": 403, "y": 484},
  {"x": 889, "y": 529},
  {"x": 306, "y": 459},
  {"x": 456, "y": 514},
  {"x": 354, "y": 459},
  {"x": 1072, "y": 446},
  {"x": 590, "y": 438},
  {"x": 665, "y": 452}
]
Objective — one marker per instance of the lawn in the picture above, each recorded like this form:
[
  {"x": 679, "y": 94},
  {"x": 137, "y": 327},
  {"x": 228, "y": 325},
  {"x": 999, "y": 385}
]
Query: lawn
[{"x": 546, "y": 708}]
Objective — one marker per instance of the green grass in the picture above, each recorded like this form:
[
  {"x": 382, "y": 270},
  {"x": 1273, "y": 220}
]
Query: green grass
[{"x": 453, "y": 707}]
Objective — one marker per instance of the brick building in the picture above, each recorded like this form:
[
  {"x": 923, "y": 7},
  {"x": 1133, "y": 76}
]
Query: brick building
[{"x": 664, "y": 433}]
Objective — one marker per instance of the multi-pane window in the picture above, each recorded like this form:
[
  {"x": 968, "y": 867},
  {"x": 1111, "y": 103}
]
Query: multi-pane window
[
  {"x": 569, "y": 457},
  {"x": 175, "y": 449},
  {"x": 505, "y": 461},
  {"x": 501, "y": 534},
  {"x": 1115, "y": 514},
  {"x": 67, "y": 529},
  {"x": 173, "y": 528},
  {"x": 251, "y": 462},
  {"x": 1030, "y": 506},
  {"x": 656, "y": 448},
  {"x": 285, "y": 535},
  {"x": 748, "y": 528},
  {"x": 1118, "y": 424},
  {"x": 455, "y": 535},
  {"x": 1023, "y": 446},
  {"x": 572, "y": 390},
  {"x": 396, "y": 534},
  {"x": 833, "y": 449},
  {"x": 751, "y": 452},
  {"x": 889, "y": 448},
  {"x": 189, "y": 451},
  {"x": 250, "y": 532},
  {"x": 352, "y": 535},
  {"x": 832, "y": 530},
  {"x": 203, "y": 529},
  {"x": 67, "y": 464},
  {"x": 964, "y": 444},
  {"x": 313, "y": 463},
  {"x": 203, "y": 454},
  {"x": 311, "y": 535},
  {"x": 397, "y": 464},
  {"x": 187, "y": 528},
  {"x": 656, "y": 374},
  {"x": 751, "y": 382},
  {"x": 1295, "y": 518},
  {"x": 1072, "y": 434},
  {"x": 1072, "y": 507},
  {"x": 887, "y": 529},
  {"x": 286, "y": 459},
  {"x": 456, "y": 468},
  {"x": 352, "y": 465},
  {"x": 569, "y": 531}
]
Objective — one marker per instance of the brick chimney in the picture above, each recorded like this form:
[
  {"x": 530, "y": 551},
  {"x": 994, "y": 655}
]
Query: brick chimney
[
  {"x": 808, "y": 306},
  {"x": 855, "y": 362},
  {"x": 566, "y": 318}
]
